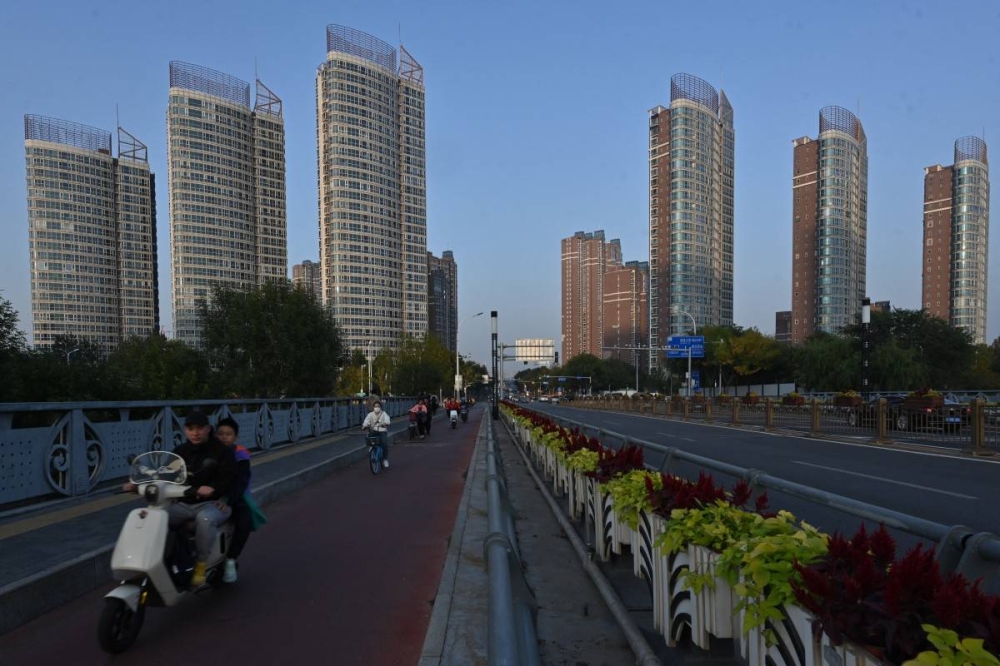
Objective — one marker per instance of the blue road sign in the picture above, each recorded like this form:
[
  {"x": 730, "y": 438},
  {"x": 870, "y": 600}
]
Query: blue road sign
[
  {"x": 678, "y": 346},
  {"x": 562, "y": 379},
  {"x": 695, "y": 380}
]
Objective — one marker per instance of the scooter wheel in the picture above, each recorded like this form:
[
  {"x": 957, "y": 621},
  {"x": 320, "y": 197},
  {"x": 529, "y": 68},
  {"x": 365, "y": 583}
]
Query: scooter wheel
[{"x": 119, "y": 625}]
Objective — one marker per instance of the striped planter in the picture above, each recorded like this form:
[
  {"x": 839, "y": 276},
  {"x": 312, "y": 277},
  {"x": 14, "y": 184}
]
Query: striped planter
[
  {"x": 794, "y": 645},
  {"x": 847, "y": 654},
  {"x": 713, "y": 608},
  {"x": 595, "y": 512}
]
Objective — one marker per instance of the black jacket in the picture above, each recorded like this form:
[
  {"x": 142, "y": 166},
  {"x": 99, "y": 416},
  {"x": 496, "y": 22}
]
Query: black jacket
[{"x": 221, "y": 477}]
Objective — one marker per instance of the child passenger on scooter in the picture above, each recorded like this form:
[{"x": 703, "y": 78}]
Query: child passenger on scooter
[{"x": 228, "y": 431}]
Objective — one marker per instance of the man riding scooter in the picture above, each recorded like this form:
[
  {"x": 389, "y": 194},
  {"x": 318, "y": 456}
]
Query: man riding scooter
[
  {"x": 212, "y": 468},
  {"x": 452, "y": 406}
]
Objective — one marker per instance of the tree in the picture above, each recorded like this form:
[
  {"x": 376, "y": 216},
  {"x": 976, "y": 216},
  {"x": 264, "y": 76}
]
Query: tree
[
  {"x": 749, "y": 353},
  {"x": 828, "y": 363},
  {"x": 896, "y": 368},
  {"x": 12, "y": 340},
  {"x": 154, "y": 368},
  {"x": 271, "y": 341},
  {"x": 423, "y": 365}
]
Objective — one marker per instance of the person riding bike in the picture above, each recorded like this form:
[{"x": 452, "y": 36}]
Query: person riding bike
[{"x": 378, "y": 421}]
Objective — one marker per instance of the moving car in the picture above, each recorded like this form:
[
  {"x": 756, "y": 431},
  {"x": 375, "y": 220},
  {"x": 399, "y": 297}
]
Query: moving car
[{"x": 951, "y": 416}]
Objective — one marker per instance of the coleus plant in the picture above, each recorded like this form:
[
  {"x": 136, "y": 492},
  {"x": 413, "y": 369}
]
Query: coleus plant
[{"x": 614, "y": 462}]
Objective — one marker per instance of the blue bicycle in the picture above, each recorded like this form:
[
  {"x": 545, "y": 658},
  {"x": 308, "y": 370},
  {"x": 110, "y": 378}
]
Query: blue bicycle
[{"x": 375, "y": 451}]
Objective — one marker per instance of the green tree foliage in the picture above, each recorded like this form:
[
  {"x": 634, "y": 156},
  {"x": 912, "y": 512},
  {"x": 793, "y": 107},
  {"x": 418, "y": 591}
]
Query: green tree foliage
[
  {"x": 827, "y": 363},
  {"x": 748, "y": 354},
  {"x": 423, "y": 365},
  {"x": 154, "y": 368},
  {"x": 271, "y": 341}
]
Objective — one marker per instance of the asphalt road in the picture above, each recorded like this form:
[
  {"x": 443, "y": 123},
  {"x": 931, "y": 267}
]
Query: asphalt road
[
  {"x": 345, "y": 572},
  {"x": 940, "y": 488}
]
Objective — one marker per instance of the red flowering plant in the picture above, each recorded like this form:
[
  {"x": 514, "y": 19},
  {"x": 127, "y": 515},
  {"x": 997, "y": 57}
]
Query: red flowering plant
[
  {"x": 678, "y": 493},
  {"x": 838, "y": 588},
  {"x": 614, "y": 462},
  {"x": 860, "y": 592},
  {"x": 577, "y": 441}
]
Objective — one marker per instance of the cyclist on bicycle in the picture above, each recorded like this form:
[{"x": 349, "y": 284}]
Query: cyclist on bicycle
[{"x": 378, "y": 421}]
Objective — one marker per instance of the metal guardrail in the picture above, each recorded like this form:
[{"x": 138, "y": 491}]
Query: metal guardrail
[
  {"x": 975, "y": 555},
  {"x": 512, "y": 607},
  {"x": 70, "y": 448},
  {"x": 971, "y": 427}
]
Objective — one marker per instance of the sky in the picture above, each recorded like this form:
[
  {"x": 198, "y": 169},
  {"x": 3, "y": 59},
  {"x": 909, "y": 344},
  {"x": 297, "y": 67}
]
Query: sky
[{"x": 537, "y": 121}]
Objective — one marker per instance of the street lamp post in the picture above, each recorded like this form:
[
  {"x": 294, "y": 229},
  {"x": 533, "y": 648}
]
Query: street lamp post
[
  {"x": 458, "y": 373},
  {"x": 493, "y": 341},
  {"x": 368, "y": 355},
  {"x": 70, "y": 353},
  {"x": 694, "y": 325},
  {"x": 866, "y": 320}
]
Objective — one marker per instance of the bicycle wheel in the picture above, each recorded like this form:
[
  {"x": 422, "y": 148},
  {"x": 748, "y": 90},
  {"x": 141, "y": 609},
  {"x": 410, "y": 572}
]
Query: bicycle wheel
[{"x": 375, "y": 458}]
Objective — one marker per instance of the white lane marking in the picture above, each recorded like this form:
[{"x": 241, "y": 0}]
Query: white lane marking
[
  {"x": 666, "y": 434},
  {"x": 687, "y": 439},
  {"x": 885, "y": 480},
  {"x": 617, "y": 423},
  {"x": 954, "y": 452}
]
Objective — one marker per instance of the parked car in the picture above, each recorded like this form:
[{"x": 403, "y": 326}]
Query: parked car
[
  {"x": 543, "y": 398},
  {"x": 951, "y": 416}
]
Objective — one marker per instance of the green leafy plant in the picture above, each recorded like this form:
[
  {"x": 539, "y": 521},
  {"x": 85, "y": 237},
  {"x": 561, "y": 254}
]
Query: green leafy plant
[
  {"x": 583, "y": 460},
  {"x": 924, "y": 393},
  {"x": 952, "y": 651},
  {"x": 631, "y": 495},
  {"x": 849, "y": 393},
  {"x": 761, "y": 568}
]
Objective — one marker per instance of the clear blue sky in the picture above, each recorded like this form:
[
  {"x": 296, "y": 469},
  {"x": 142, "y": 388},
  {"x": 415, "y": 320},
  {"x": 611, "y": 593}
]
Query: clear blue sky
[{"x": 536, "y": 120}]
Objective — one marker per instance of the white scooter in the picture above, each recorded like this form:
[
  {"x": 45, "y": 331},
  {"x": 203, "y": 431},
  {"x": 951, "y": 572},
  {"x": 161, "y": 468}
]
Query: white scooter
[
  {"x": 154, "y": 563},
  {"x": 453, "y": 415}
]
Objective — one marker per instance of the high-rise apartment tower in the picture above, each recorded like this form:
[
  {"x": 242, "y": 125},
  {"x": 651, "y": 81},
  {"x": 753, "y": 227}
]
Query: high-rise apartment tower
[
  {"x": 227, "y": 189},
  {"x": 956, "y": 238},
  {"x": 691, "y": 215},
  {"x": 829, "y": 225},
  {"x": 92, "y": 234},
  {"x": 372, "y": 188}
]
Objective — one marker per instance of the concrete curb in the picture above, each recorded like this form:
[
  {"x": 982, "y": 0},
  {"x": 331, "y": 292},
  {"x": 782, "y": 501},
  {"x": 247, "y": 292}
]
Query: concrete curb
[
  {"x": 437, "y": 629},
  {"x": 40, "y": 593}
]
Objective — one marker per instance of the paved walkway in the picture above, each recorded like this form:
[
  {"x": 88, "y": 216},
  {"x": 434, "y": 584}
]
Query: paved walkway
[{"x": 345, "y": 572}]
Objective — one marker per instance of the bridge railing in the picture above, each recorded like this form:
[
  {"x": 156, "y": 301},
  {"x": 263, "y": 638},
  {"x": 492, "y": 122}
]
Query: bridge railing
[
  {"x": 975, "y": 555},
  {"x": 71, "y": 448},
  {"x": 512, "y": 606}
]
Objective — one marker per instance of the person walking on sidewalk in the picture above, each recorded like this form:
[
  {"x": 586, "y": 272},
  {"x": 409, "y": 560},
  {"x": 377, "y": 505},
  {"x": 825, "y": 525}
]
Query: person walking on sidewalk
[{"x": 378, "y": 421}]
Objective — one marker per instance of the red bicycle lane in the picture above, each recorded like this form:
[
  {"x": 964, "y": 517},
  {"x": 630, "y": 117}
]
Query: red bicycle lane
[{"x": 345, "y": 572}]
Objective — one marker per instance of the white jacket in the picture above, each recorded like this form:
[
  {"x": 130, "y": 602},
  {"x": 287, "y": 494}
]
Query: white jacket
[{"x": 378, "y": 423}]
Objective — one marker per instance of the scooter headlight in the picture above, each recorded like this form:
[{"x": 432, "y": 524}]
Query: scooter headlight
[{"x": 151, "y": 493}]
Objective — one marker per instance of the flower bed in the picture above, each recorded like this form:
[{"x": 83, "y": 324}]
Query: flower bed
[{"x": 730, "y": 570}]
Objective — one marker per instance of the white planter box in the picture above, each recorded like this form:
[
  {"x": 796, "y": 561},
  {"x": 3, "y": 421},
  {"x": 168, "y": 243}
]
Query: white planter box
[
  {"x": 678, "y": 604},
  {"x": 847, "y": 654},
  {"x": 576, "y": 488},
  {"x": 611, "y": 529},
  {"x": 595, "y": 512},
  {"x": 794, "y": 645},
  {"x": 713, "y": 608}
]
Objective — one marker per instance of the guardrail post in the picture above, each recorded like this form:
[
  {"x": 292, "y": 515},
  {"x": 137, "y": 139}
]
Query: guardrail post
[
  {"x": 736, "y": 411},
  {"x": 687, "y": 410},
  {"x": 977, "y": 425},
  {"x": 79, "y": 481},
  {"x": 708, "y": 412},
  {"x": 882, "y": 421},
  {"x": 815, "y": 416},
  {"x": 769, "y": 413}
]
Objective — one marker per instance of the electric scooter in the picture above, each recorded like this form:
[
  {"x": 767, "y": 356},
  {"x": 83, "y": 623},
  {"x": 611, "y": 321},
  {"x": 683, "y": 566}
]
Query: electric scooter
[{"x": 154, "y": 563}]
